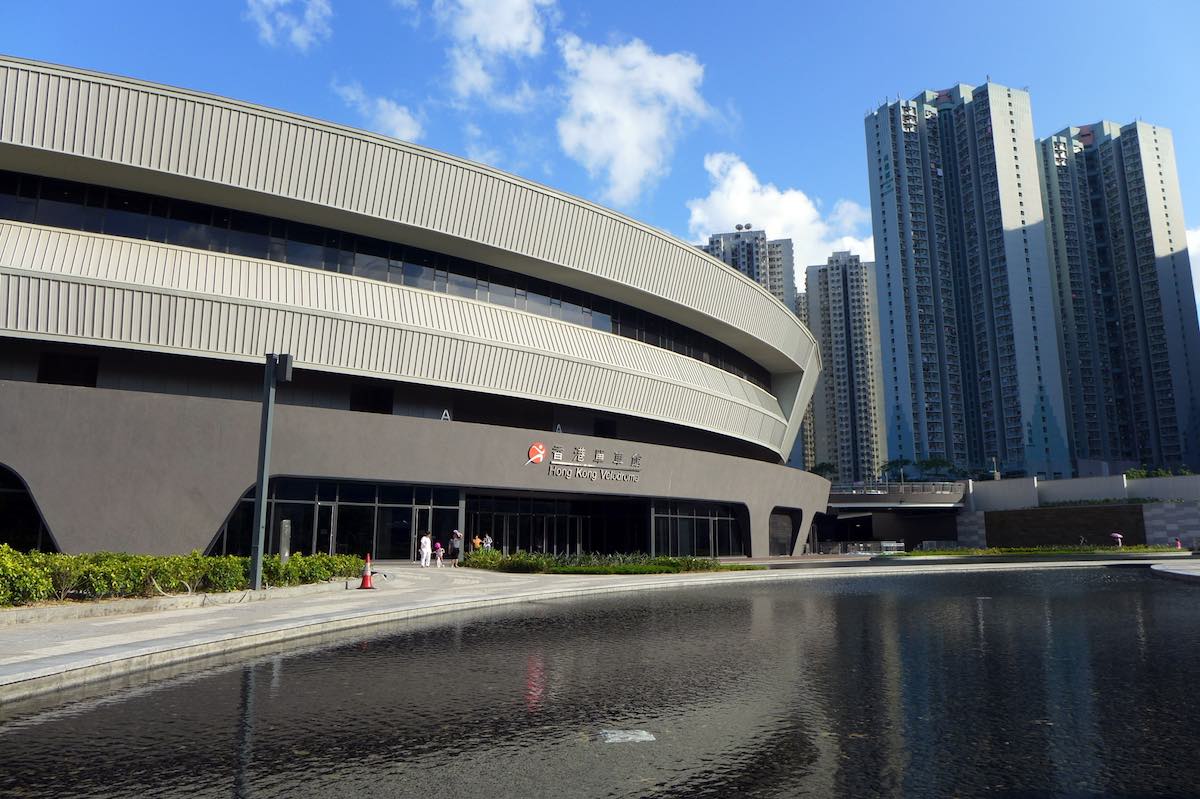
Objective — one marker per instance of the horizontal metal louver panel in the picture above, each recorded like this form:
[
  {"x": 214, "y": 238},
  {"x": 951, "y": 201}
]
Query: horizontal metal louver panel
[
  {"x": 98, "y": 289},
  {"x": 220, "y": 141}
]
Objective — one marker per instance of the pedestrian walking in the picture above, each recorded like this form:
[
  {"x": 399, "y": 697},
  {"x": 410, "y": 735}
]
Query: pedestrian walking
[
  {"x": 456, "y": 544},
  {"x": 1178, "y": 542},
  {"x": 438, "y": 551},
  {"x": 426, "y": 548},
  {"x": 1116, "y": 537},
  {"x": 487, "y": 541}
]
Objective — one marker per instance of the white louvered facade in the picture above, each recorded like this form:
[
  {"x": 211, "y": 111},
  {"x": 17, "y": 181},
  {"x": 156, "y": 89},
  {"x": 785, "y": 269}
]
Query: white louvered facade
[{"x": 95, "y": 289}]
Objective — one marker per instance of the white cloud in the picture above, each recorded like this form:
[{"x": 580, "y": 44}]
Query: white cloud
[
  {"x": 737, "y": 196},
  {"x": 485, "y": 33},
  {"x": 1193, "y": 240},
  {"x": 302, "y": 23},
  {"x": 477, "y": 148},
  {"x": 379, "y": 113},
  {"x": 626, "y": 106}
]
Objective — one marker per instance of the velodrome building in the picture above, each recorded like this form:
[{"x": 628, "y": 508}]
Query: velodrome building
[{"x": 472, "y": 350}]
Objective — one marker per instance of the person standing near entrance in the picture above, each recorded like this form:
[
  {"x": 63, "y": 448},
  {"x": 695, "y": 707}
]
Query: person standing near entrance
[
  {"x": 456, "y": 544},
  {"x": 426, "y": 548}
]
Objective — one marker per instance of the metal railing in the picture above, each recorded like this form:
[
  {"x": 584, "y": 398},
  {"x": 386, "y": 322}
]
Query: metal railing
[{"x": 949, "y": 487}]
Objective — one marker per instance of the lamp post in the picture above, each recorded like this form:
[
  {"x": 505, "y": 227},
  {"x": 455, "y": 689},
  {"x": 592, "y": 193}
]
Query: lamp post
[{"x": 278, "y": 370}]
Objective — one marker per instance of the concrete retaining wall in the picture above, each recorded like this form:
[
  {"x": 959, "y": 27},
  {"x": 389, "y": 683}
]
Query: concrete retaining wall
[
  {"x": 1166, "y": 520},
  {"x": 1036, "y": 527},
  {"x": 1083, "y": 488},
  {"x": 985, "y": 495}
]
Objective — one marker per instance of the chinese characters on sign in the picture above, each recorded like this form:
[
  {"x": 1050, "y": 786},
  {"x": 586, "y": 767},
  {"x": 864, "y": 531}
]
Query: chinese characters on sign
[{"x": 573, "y": 463}]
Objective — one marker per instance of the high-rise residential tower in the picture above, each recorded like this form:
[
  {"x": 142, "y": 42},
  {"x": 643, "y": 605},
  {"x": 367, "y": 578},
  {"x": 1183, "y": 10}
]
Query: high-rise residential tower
[
  {"x": 971, "y": 369},
  {"x": 1127, "y": 320},
  {"x": 847, "y": 405},
  {"x": 768, "y": 262},
  {"x": 804, "y": 452}
]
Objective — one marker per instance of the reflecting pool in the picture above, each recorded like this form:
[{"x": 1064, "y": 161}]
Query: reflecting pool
[{"x": 1075, "y": 682}]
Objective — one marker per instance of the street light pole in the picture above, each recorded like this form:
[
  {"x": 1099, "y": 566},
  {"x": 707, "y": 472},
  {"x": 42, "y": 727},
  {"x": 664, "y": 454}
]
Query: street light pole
[{"x": 278, "y": 370}]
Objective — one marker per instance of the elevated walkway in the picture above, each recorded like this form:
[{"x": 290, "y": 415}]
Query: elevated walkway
[{"x": 895, "y": 496}]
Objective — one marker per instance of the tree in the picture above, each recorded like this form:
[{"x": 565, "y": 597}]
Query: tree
[
  {"x": 896, "y": 467},
  {"x": 825, "y": 469},
  {"x": 936, "y": 467}
]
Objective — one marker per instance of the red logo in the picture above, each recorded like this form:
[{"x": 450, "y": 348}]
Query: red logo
[{"x": 537, "y": 453}]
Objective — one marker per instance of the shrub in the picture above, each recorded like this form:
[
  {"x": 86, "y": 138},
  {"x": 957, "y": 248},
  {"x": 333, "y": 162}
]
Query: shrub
[
  {"x": 587, "y": 563},
  {"x": 66, "y": 572},
  {"x": 115, "y": 574},
  {"x": 227, "y": 573},
  {"x": 22, "y": 580},
  {"x": 36, "y": 576},
  {"x": 176, "y": 574}
]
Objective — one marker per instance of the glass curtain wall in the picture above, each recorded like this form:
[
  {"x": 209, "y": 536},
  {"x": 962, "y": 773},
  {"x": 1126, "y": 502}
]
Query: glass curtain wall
[
  {"x": 702, "y": 529},
  {"x": 343, "y": 517},
  {"x": 21, "y": 525},
  {"x": 66, "y": 204},
  {"x": 558, "y": 526}
]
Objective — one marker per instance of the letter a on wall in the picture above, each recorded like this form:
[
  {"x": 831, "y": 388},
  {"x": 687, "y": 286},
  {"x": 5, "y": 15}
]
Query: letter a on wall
[{"x": 446, "y": 415}]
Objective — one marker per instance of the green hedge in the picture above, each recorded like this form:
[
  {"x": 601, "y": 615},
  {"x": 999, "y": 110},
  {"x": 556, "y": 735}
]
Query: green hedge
[
  {"x": 37, "y": 576},
  {"x": 592, "y": 563},
  {"x": 1046, "y": 550}
]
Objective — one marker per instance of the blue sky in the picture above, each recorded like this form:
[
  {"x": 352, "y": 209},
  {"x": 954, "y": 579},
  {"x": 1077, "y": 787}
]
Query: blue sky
[{"x": 691, "y": 116}]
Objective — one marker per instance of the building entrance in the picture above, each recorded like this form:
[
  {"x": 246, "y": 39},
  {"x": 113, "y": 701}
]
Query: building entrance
[
  {"x": 344, "y": 518},
  {"x": 556, "y": 533}
]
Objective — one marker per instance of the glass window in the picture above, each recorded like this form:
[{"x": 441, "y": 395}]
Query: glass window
[
  {"x": 462, "y": 285},
  {"x": 393, "y": 534},
  {"x": 61, "y": 204},
  {"x": 371, "y": 260},
  {"x": 188, "y": 224},
  {"x": 572, "y": 308},
  {"x": 18, "y": 197},
  {"x": 444, "y": 523},
  {"x": 247, "y": 235},
  {"x": 306, "y": 246},
  {"x": 445, "y": 496},
  {"x": 126, "y": 214},
  {"x": 536, "y": 301},
  {"x": 218, "y": 233},
  {"x": 421, "y": 495},
  {"x": 277, "y": 240},
  {"x": 502, "y": 294},
  {"x": 300, "y": 516},
  {"x": 395, "y": 494},
  {"x": 291, "y": 488},
  {"x": 419, "y": 276},
  {"x": 602, "y": 315},
  {"x": 356, "y": 492}
]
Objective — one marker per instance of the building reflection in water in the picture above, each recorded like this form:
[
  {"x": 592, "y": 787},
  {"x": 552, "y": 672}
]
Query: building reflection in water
[{"x": 884, "y": 686}]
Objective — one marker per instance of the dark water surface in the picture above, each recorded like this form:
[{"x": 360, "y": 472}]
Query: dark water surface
[{"x": 1077, "y": 682}]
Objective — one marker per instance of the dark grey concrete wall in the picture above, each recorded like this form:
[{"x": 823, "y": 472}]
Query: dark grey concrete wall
[{"x": 158, "y": 473}]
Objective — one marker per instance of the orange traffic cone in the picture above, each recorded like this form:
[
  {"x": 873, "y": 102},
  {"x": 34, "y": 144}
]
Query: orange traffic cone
[{"x": 366, "y": 576}]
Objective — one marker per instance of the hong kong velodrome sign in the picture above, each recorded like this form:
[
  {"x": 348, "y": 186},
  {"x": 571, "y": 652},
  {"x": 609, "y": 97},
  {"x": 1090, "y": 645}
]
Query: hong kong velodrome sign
[{"x": 579, "y": 463}]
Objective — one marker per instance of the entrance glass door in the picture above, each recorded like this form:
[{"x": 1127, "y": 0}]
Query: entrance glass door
[
  {"x": 324, "y": 530},
  {"x": 355, "y": 530},
  {"x": 421, "y": 525}
]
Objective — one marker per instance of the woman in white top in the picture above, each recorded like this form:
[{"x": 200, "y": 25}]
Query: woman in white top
[{"x": 426, "y": 549}]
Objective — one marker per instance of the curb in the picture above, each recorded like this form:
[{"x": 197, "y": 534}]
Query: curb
[{"x": 1172, "y": 572}]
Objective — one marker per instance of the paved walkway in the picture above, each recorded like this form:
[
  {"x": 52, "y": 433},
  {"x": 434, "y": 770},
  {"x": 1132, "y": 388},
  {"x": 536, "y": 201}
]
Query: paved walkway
[
  {"x": 37, "y": 658},
  {"x": 1180, "y": 570}
]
